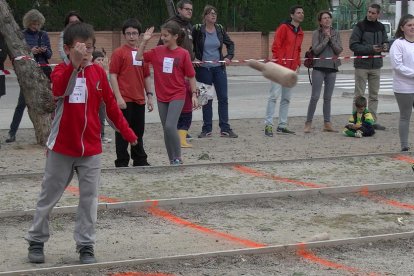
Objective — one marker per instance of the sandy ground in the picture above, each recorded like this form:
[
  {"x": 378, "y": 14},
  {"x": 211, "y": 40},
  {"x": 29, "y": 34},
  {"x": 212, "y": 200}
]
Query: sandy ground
[
  {"x": 252, "y": 145},
  {"x": 23, "y": 157}
]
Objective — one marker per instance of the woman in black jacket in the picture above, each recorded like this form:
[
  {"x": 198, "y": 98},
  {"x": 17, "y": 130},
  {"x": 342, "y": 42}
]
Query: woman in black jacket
[{"x": 208, "y": 40}]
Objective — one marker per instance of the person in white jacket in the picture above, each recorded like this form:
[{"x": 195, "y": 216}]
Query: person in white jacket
[{"x": 402, "y": 62}]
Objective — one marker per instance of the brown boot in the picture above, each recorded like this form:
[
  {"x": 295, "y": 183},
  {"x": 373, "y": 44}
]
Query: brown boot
[
  {"x": 308, "y": 126},
  {"x": 328, "y": 127}
]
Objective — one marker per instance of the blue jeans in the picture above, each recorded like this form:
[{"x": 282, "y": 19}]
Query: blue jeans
[
  {"x": 218, "y": 77},
  {"x": 18, "y": 115},
  {"x": 275, "y": 91}
]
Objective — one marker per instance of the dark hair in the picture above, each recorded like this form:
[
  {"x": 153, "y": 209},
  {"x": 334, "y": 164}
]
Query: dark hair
[
  {"x": 399, "y": 33},
  {"x": 78, "y": 30},
  {"x": 293, "y": 9},
  {"x": 181, "y": 3},
  {"x": 321, "y": 13},
  {"x": 70, "y": 14},
  {"x": 208, "y": 9},
  {"x": 131, "y": 23},
  {"x": 173, "y": 28},
  {"x": 97, "y": 54},
  {"x": 375, "y": 6},
  {"x": 360, "y": 101}
]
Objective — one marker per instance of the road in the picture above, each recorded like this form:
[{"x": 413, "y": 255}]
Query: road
[{"x": 248, "y": 94}]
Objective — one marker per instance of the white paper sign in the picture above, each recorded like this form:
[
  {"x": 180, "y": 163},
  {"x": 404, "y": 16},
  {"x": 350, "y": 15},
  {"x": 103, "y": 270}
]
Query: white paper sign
[
  {"x": 134, "y": 61},
  {"x": 167, "y": 66},
  {"x": 79, "y": 92}
]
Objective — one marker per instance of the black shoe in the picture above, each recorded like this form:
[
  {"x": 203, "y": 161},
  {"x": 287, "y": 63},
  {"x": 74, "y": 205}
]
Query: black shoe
[
  {"x": 11, "y": 139},
  {"x": 405, "y": 149},
  {"x": 36, "y": 254},
  {"x": 229, "y": 134},
  {"x": 204, "y": 134},
  {"x": 378, "y": 127},
  {"x": 280, "y": 130},
  {"x": 141, "y": 164},
  {"x": 86, "y": 255}
]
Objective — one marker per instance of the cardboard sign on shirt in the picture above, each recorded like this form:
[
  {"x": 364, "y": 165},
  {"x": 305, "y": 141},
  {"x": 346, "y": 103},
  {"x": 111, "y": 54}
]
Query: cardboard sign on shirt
[
  {"x": 167, "y": 65},
  {"x": 79, "y": 92},
  {"x": 134, "y": 61}
]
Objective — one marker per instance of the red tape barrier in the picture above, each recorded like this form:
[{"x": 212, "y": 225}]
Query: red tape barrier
[{"x": 6, "y": 72}]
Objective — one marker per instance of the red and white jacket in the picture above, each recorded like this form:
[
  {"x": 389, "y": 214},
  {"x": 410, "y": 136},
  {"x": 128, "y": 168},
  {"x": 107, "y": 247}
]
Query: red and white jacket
[{"x": 76, "y": 128}]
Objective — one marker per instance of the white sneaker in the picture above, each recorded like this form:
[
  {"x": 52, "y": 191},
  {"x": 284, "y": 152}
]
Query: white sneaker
[{"x": 358, "y": 134}]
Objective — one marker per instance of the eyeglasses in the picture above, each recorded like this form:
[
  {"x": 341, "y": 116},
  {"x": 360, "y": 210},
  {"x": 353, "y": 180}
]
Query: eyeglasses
[
  {"x": 212, "y": 13},
  {"x": 188, "y": 9},
  {"x": 89, "y": 49},
  {"x": 131, "y": 34}
]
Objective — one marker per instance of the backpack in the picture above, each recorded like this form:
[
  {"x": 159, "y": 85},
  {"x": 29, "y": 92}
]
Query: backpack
[
  {"x": 308, "y": 63},
  {"x": 309, "y": 55}
]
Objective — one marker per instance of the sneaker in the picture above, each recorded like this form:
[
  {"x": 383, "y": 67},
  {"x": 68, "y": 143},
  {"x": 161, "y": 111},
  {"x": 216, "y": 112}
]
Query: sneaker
[
  {"x": 36, "y": 254},
  {"x": 269, "y": 130},
  {"x": 280, "y": 130},
  {"x": 87, "y": 255},
  {"x": 176, "y": 162},
  {"x": 378, "y": 127},
  {"x": 358, "y": 134},
  {"x": 141, "y": 164},
  {"x": 204, "y": 134},
  {"x": 106, "y": 140},
  {"x": 228, "y": 134},
  {"x": 189, "y": 137},
  {"x": 11, "y": 139},
  {"x": 405, "y": 149}
]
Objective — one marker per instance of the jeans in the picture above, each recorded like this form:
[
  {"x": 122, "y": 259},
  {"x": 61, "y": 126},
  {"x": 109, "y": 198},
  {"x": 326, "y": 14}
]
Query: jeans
[
  {"x": 405, "y": 104},
  {"x": 135, "y": 115},
  {"x": 18, "y": 115},
  {"x": 275, "y": 91},
  {"x": 373, "y": 78},
  {"x": 218, "y": 77},
  {"x": 318, "y": 78}
]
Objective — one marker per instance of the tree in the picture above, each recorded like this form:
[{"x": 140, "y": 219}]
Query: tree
[{"x": 33, "y": 82}]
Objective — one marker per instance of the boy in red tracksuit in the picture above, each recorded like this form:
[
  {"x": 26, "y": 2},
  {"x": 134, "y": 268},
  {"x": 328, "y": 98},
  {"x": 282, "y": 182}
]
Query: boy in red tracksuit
[{"x": 74, "y": 143}]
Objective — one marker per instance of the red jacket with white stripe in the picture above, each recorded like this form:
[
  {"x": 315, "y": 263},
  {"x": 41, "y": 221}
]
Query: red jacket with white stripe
[
  {"x": 76, "y": 128},
  {"x": 287, "y": 44}
]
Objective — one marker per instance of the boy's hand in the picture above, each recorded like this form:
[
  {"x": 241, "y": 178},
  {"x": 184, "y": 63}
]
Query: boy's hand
[
  {"x": 121, "y": 103},
  {"x": 134, "y": 143},
  {"x": 78, "y": 54},
  {"x": 150, "y": 104},
  {"x": 148, "y": 33}
]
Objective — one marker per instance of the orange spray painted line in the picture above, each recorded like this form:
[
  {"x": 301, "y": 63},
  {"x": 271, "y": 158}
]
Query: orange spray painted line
[
  {"x": 404, "y": 158},
  {"x": 256, "y": 173},
  {"x": 365, "y": 193},
  {"x": 308, "y": 255},
  {"x": 75, "y": 190},
  {"x": 154, "y": 210}
]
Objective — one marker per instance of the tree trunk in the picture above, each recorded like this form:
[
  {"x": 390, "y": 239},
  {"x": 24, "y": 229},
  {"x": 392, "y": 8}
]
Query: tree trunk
[
  {"x": 33, "y": 82},
  {"x": 170, "y": 7}
]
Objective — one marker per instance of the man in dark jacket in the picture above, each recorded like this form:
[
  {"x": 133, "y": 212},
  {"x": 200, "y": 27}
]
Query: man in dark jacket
[
  {"x": 369, "y": 38},
  {"x": 183, "y": 18}
]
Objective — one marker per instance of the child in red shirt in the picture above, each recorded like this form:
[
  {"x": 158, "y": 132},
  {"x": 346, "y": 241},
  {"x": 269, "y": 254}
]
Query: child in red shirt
[{"x": 172, "y": 64}]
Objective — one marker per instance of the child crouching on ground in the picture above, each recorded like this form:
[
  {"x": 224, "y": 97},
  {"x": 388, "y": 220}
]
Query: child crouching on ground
[
  {"x": 361, "y": 122},
  {"x": 74, "y": 143}
]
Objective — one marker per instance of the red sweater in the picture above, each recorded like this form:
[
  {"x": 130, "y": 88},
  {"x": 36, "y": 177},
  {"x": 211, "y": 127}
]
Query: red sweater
[
  {"x": 76, "y": 127},
  {"x": 286, "y": 46}
]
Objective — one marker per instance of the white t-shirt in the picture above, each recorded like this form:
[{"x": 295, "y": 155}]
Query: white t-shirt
[{"x": 402, "y": 62}]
